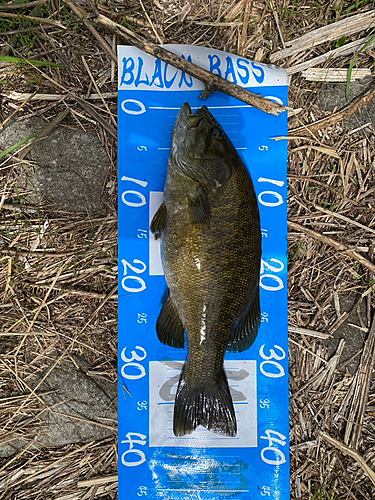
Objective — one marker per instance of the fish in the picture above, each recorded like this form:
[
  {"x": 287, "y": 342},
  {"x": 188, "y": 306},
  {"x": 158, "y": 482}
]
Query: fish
[{"x": 211, "y": 247}]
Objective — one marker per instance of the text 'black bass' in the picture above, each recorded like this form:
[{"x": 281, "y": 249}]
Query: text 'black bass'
[{"x": 209, "y": 223}]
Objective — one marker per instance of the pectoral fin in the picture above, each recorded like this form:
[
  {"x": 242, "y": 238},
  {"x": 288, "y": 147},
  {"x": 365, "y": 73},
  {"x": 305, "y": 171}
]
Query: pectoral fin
[
  {"x": 159, "y": 221},
  {"x": 199, "y": 208},
  {"x": 169, "y": 327},
  {"x": 244, "y": 333}
]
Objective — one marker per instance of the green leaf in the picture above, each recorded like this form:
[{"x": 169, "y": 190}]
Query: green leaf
[
  {"x": 340, "y": 42},
  {"x": 352, "y": 62},
  {"x": 20, "y": 60},
  {"x": 20, "y": 143}
]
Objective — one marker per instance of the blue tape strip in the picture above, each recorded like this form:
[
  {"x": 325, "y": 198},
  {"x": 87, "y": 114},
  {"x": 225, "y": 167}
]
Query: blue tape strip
[{"x": 152, "y": 462}]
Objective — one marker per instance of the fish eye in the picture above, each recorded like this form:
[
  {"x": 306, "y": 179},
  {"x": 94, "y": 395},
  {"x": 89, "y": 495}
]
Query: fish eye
[{"x": 215, "y": 132}]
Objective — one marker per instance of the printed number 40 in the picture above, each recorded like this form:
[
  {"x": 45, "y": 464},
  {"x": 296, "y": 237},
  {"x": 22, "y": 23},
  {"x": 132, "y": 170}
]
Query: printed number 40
[{"x": 131, "y": 442}]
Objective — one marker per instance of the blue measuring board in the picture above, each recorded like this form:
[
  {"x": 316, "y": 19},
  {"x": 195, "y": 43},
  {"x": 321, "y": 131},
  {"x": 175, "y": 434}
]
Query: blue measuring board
[{"x": 153, "y": 462}]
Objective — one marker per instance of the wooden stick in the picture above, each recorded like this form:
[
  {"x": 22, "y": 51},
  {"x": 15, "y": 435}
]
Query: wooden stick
[
  {"x": 22, "y": 5},
  {"x": 352, "y": 453},
  {"x": 307, "y": 331},
  {"x": 18, "y": 96},
  {"x": 346, "y": 49},
  {"x": 36, "y": 253},
  {"x": 31, "y": 18},
  {"x": 85, "y": 483},
  {"x": 340, "y": 115},
  {"x": 333, "y": 243},
  {"x": 92, "y": 30},
  {"x": 334, "y": 31},
  {"x": 212, "y": 81},
  {"x": 243, "y": 38},
  {"x": 346, "y": 219},
  {"x": 334, "y": 74}
]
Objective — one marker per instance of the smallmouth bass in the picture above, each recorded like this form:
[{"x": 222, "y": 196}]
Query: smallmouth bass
[{"x": 211, "y": 248}]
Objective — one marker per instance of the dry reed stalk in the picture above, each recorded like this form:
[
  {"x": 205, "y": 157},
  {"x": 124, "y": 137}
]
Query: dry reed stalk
[{"x": 334, "y": 31}]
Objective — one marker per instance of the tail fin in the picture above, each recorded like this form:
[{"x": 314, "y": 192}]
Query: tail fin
[{"x": 209, "y": 405}]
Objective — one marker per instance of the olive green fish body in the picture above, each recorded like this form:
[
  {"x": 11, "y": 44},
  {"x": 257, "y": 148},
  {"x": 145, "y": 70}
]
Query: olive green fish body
[{"x": 211, "y": 253}]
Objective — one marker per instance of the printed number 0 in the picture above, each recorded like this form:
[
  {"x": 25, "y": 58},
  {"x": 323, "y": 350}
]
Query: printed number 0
[{"x": 141, "y": 106}]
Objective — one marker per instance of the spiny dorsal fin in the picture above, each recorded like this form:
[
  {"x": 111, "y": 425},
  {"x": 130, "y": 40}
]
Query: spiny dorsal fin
[
  {"x": 244, "y": 333},
  {"x": 159, "y": 221},
  {"x": 169, "y": 327}
]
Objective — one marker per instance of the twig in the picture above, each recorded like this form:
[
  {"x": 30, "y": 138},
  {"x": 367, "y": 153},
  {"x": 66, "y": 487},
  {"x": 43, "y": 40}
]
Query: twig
[
  {"x": 333, "y": 243},
  {"x": 22, "y": 5},
  {"x": 362, "y": 385},
  {"x": 308, "y": 332},
  {"x": 31, "y": 18},
  {"x": 52, "y": 464},
  {"x": 18, "y": 96},
  {"x": 151, "y": 24},
  {"x": 243, "y": 38},
  {"x": 92, "y": 30},
  {"x": 346, "y": 219},
  {"x": 352, "y": 453},
  {"x": 340, "y": 115},
  {"x": 346, "y": 49},
  {"x": 334, "y": 74},
  {"x": 274, "y": 12},
  {"x": 36, "y": 253},
  {"x": 27, "y": 99},
  {"x": 43, "y": 303},
  {"x": 334, "y": 31},
  {"x": 212, "y": 81},
  {"x": 97, "y": 89},
  {"x": 97, "y": 480},
  {"x": 7, "y": 282},
  {"x": 98, "y": 308},
  {"x": 89, "y": 109}
]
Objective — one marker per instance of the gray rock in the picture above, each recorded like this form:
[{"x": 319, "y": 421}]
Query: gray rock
[
  {"x": 71, "y": 166},
  {"x": 72, "y": 393},
  {"x": 332, "y": 95},
  {"x": 354, "y": 337}
]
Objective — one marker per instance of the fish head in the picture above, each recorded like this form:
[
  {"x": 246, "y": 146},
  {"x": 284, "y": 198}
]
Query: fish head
[{"x": 200, "y": 148}]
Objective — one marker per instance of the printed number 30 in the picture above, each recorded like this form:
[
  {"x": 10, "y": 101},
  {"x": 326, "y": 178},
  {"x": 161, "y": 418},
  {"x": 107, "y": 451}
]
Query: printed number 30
[{"x": 269, "y": 361}]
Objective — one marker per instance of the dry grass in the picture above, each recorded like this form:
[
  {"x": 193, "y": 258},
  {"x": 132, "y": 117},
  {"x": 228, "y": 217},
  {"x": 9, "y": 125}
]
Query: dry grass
[{"x": 59, "y": 298}]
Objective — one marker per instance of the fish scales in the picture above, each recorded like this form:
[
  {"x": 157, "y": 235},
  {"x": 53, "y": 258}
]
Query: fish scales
[{"x": 211, "y": 248}]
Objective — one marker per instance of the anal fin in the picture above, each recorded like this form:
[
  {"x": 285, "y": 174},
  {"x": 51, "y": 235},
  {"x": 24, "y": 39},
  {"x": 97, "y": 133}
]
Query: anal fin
[
  {"x": 244, "y": 333},
  {"x": 169, "y": 328},
  {"x": 159, "y": 221}
]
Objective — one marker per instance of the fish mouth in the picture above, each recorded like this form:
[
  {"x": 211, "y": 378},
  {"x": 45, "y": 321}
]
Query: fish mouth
[{"x": 189, "y": 119}]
